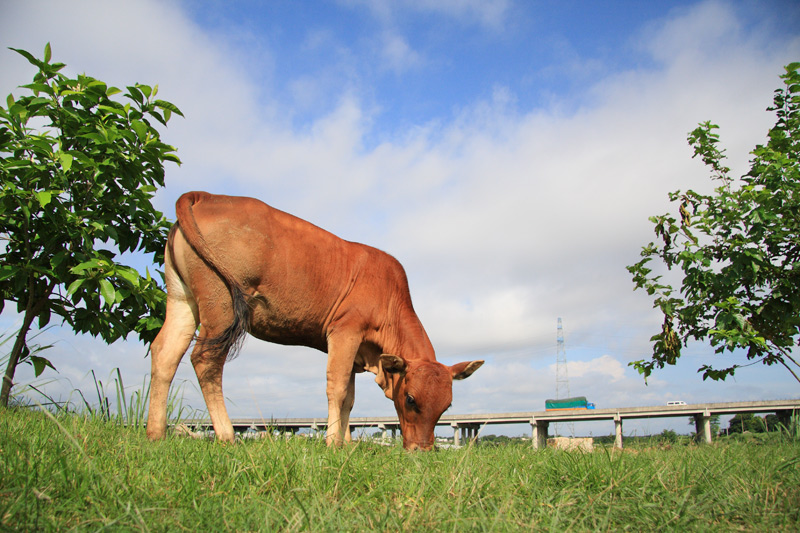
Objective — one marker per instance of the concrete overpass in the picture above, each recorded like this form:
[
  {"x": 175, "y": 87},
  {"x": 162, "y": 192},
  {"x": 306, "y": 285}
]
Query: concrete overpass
[{"x": 467, "y": 426}]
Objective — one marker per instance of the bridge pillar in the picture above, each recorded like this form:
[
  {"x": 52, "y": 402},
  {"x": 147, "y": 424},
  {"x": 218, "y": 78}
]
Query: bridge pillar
[
  {"x": 702, "y": 426},
  {"x": 617, "y": 431},
  {"x": 539, "y": 437},
  {"x": 456, "y": 440},
  {"x": 382, "y": 427},
  {"x": 463, "y": 433}
]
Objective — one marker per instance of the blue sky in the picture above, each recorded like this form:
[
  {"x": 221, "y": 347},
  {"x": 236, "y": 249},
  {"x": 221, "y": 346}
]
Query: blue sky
[
  {"x": 417, "y": 62},
  {"x": 508, "y": 153}
]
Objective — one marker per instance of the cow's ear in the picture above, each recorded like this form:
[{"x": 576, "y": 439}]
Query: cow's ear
[
  {"x": 393, "y": 364},
  {"x": 465, "y": 369}
]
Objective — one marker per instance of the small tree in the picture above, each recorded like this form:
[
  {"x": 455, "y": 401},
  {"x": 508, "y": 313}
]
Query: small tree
[
  {"x": 738, "y": 250},
  {"x": 669, "y": 436},
  {"x": 78, "y": 171},
  {"x": 773, "y": 422},
  {"x": 746, "y": 422}
]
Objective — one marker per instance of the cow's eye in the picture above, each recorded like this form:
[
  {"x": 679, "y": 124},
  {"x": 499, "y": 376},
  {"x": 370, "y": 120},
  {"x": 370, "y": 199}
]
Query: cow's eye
[{"x": 410, "y": 401}]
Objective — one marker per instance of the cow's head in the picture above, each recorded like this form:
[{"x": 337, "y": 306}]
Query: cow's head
[{"x": 422, "y": 391}]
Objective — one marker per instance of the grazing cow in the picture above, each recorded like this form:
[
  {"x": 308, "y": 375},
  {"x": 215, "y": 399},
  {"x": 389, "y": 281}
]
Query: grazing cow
[{"x": 236, "y": 265}]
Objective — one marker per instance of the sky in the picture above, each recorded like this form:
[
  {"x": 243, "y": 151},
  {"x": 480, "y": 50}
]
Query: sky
[{"x": 508, "y": 153}]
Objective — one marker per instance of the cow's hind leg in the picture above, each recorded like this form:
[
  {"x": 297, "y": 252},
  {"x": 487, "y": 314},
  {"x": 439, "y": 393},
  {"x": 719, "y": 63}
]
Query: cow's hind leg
[
  {"x": 208, "y": 366},
  {"x": 166, "y": 352}
]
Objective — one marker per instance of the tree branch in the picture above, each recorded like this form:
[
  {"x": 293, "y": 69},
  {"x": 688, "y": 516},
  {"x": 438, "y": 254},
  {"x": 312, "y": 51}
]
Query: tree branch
[{"x": 789, "y": 369}]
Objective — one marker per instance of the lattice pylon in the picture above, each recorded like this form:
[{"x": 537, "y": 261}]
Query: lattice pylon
[{"x": 562, "y": 374}]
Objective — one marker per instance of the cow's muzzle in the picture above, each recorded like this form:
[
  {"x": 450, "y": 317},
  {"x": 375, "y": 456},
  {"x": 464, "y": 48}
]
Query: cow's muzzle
[{"x": 419, "y": 446}]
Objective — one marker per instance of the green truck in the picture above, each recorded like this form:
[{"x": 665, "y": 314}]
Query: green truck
[{"x": 576, "y": 402}]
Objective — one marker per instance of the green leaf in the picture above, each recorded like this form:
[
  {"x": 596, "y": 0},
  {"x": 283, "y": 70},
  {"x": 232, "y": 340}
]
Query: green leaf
[
  {"x": 44, "y": 197},
  {"x": 168, "y": 106},
  {"x": 91, "y": 263},
  {"x": 171, "y": 157},
  {"x": 7, "y": 271},
  {"x": 135, "y": 94},
  {"x": 58, "y": 258},
  {"x": 140, "y": 128},
  {"x": 27, "y": 55},
  {"x": 35, "y": 104},
  {"x": 44, "y": 317},
  {"x": 39, "y": 364},
  {"x": 94, "y": 137},
  {"x": 66, "y": 161},
  {"x": 129, "y": 275},
  {"x": 47, "y": 55},
  {"x": 107, "y": 291},
  {"x": 146, "y": 90},
  {"x": 74, "y": 286},
  {"x": 115, "y": 110}
]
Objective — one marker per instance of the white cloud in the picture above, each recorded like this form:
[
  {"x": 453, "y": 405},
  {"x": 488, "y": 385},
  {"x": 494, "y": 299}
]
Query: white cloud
[
  {"x": 600, "y": 368},
  {"x": 397, "y": 54},
  {"x": 491, "y": 14},
  {"x": 696, "y": 32},
  {"x": 488, "y": 13}
]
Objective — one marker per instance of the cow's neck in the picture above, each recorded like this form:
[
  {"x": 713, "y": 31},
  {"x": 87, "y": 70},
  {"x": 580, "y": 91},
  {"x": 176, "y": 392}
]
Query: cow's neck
[{"x": 404, "y": 336}]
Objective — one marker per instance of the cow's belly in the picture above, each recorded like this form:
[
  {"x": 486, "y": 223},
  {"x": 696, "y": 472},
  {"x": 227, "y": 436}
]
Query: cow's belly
[{"x": 290, "y": 327}]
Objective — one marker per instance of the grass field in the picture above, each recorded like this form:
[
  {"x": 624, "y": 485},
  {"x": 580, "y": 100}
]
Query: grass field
[{"x": 83, "y": 473}]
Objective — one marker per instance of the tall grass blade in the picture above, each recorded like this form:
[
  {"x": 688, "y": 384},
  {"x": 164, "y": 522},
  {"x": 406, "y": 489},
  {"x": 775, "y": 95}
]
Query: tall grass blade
[{"x": 122, "y": 403}]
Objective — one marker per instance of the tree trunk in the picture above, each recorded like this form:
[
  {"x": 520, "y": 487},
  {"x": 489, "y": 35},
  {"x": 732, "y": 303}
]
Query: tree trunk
[
  {"x": 16, "y": 352},
  {"x": 32, "y": 310}
]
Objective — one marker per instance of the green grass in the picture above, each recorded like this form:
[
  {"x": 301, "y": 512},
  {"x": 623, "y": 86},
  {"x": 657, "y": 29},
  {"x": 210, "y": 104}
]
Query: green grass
[{"x": 69, "y": 471}]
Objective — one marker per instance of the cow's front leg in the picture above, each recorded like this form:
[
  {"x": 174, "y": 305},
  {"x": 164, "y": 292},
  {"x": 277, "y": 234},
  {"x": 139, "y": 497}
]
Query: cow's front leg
[
  {"x": 347, "y": 407},
  {"x": 340, "y": 389}
]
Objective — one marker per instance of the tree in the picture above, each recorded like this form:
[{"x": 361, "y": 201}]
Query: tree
[
  {"x": 746, "y": 422},
  {"x": 79, "y": 170},
  {"x": 773, "y": 422},
  {"x": 669, "y": 435},
  {"x": 738, "y": 250}
]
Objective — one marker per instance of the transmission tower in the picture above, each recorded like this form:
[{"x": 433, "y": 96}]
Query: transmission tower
[{"x": 562, "y": 376}]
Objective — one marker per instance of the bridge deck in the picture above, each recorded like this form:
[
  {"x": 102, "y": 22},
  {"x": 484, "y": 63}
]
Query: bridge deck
[{"x": 539, "y": 420}]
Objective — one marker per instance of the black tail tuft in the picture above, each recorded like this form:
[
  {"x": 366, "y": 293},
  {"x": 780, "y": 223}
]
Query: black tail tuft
[{"x": 230, "y": 341}]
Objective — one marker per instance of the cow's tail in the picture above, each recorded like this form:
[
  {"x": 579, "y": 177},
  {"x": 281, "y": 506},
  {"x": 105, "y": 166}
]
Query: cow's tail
[{"x": 231, "y": 339}]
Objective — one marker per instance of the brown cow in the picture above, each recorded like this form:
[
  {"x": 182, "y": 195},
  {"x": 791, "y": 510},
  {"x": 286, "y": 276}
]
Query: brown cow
[{"x": 236, "y": 265}]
